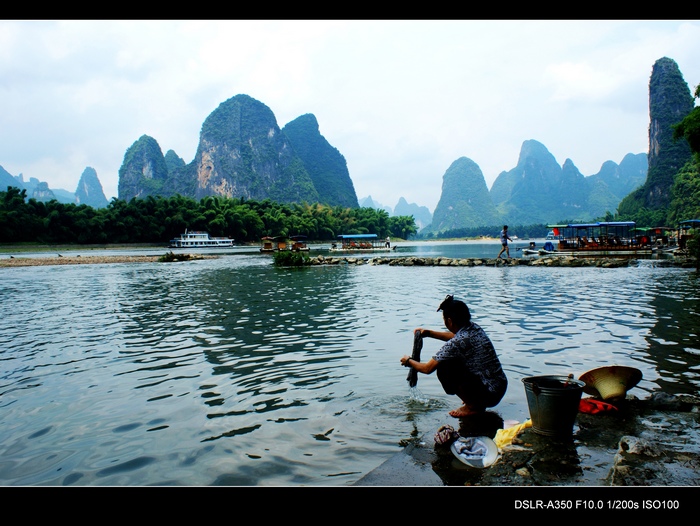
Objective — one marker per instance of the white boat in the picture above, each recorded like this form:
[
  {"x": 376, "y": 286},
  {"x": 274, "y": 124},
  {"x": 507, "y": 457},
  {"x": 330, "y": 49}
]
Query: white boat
[
  {"x": 195, "y": 239},
  {"x": 531, "y": 250},
  {"x": 555, "y": 233}
]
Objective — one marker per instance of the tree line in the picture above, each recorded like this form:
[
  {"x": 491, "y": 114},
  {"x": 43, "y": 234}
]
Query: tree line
[
  {"x": 160, "y": 219},
  {"x": 522, "y": 231}
]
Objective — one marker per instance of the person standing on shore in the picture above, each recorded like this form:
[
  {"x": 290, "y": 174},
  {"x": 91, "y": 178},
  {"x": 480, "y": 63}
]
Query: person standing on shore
[
  {"x": 467, "y": 364},
  {"x": 504, "y": 242}
]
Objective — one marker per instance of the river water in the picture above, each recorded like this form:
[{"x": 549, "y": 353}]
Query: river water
[{"x": 230, "y": 371}]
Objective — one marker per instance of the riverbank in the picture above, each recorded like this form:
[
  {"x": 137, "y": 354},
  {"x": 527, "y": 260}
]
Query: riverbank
[
  {"x": 58, "y": 259},
  {"x": 20, "y": 248},
  {"x": 651, "y": 442}
]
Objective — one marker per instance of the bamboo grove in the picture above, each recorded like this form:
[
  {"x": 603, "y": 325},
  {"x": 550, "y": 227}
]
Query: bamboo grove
[{"x": 157, "y": 220}]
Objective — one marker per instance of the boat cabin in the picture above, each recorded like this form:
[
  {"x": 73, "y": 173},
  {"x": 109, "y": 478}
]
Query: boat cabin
[{"x": 298, "y": 243}]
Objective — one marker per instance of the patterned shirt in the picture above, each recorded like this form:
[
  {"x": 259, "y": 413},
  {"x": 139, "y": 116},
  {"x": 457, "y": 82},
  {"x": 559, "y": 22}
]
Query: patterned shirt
[{"x": 474, "y": 347}]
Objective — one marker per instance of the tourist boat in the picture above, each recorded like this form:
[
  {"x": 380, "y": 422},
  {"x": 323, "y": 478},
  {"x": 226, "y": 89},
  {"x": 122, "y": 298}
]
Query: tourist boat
[
  {"x": 361, "y": 243},
  {"x": 685, "y": 232},
  {"x": 299, "y": 244},
  {"x": 600, "y": 239},
  {"x": 274, "y": 244},
  {"x": 663, "y": 239},
  {"x": 195, "y": 239}
]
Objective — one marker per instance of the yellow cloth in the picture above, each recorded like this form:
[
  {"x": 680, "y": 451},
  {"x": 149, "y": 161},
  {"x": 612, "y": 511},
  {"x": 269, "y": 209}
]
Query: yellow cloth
[{"x": 506, "y": 436}]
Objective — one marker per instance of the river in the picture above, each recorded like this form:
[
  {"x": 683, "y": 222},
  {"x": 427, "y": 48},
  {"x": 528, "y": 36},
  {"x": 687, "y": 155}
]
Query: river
[{"x": 230, "y": 371}]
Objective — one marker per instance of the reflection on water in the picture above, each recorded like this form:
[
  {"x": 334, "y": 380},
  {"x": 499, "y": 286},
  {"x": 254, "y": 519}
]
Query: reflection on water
[{"x": 233, "y": 372}]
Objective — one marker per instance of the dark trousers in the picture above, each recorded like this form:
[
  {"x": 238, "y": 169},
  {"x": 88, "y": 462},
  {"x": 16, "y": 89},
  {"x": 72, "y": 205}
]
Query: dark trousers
[{"x": 456, "y": 379}]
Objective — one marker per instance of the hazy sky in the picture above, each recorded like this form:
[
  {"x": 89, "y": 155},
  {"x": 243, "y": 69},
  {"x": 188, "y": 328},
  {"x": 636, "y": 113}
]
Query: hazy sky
[{"x": 401, "y": 100}]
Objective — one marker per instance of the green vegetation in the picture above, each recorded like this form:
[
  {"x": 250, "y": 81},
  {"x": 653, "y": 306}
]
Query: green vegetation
[
  {"x": 693, "y": 245},
  {"x": 158, "y": 220},
  {"x": 689, "y": 128},
  {"x": 287, "y": 258},
  {"x": 684, "y": 190},
  {"x": 247, "y": 149},
  {"x": 324, "y": 163},
  {"x": 169, "y": 257},
  {"x": 669, "y": 100},
  {"x": 131, "y": 173},
  {"x": 522, "y": 231}
]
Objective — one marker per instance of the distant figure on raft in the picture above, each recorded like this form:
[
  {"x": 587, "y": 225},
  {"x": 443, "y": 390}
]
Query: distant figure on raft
[{"x": 467, "y": 364}]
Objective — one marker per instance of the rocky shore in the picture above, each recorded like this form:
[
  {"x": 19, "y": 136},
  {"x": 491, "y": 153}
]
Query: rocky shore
[{"x": 652, "y": 442}]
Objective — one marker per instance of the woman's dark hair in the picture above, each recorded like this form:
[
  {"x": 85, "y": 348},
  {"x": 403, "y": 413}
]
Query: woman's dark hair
[{"x": 456, "y": 310}]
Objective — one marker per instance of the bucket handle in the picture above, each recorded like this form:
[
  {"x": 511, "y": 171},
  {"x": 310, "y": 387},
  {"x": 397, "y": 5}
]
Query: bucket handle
[
  {"x": 536, "y": 388},
  {"x": 568, "y": 379}
]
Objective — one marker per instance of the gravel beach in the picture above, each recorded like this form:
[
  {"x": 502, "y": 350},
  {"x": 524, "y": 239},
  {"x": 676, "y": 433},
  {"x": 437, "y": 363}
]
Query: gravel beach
[{"x": 16, "y": 261}]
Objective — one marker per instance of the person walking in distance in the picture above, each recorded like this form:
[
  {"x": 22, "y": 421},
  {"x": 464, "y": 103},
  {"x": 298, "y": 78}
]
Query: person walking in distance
[{"x": 504, "y": 242}]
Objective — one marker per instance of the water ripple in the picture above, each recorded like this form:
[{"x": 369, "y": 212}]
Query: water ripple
[{"x": 231, "y": 371}]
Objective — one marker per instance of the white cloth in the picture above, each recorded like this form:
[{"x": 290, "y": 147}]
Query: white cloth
[{"x": 471, "y": 448}]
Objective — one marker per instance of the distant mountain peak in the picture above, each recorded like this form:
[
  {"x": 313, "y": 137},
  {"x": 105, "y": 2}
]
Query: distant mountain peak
[
  {"x": 89, "y": 190},
  {"x": 464, "y": 201},
  {"x": 324, "y": 163}
]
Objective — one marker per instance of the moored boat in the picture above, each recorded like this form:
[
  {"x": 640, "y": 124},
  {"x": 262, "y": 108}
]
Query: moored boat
[
  {"x": 361, "y": 243},
  {"x": 599, "y": 239},
  {"x": 530, "y": 250},
  {"x": 299, "y": 244},
  {"x": 199, "y": 239}
]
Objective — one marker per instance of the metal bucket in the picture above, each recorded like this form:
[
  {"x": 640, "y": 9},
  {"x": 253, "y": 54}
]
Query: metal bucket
[{"x": 553, "y": 402}]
